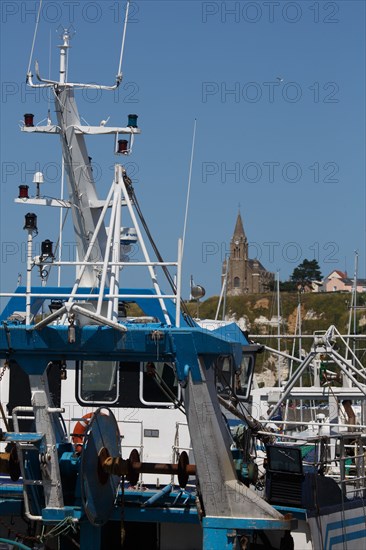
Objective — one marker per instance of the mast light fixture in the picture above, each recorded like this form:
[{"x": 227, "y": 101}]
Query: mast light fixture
[
  {"x": 38, "y": 178},
  {"x": 23, "y": 192},
  {"x": 132, "y": 121},
  {"x": 122, "y": 147},
  {"x": 30, "y": 222},
  {"x": 28, "y": 120},
  {"x": 46, "y": 249}
]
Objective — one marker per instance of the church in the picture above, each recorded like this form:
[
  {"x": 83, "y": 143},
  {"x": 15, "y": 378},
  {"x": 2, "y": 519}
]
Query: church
[{"x": 244, "y": 276}]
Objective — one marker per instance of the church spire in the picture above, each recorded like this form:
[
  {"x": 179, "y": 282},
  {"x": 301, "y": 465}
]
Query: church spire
[{"x": 239, "y": 229}]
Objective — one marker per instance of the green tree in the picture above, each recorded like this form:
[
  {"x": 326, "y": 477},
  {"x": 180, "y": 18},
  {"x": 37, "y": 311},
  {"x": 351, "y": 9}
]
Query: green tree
[
  {"x": 306, "y": 272},
  {"x": 285, "y": 286}
]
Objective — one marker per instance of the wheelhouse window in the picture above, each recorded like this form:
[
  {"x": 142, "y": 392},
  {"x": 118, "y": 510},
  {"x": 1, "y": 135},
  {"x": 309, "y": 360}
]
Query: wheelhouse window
[
  {"x": 229, "y": 380},
  {"x": 243, "y": 378},
  {"x": 158, "y": 384},
  {"x": 124, "y": 384},
  {"x": 98, "y": 381}
]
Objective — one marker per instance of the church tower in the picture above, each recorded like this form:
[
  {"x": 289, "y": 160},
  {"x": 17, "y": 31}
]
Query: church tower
[
  {"x": 238, "y": 261},
  {"x": 243, "y": 274}
]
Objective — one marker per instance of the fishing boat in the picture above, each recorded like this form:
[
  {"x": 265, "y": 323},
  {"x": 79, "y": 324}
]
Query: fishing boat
[
  {"x": 112, "y": 397},
  {"x": 311, "y": 459},
  {"x": 111, "y": 430}
]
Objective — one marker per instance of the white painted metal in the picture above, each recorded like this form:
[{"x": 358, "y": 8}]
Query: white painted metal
[
  {"x": 29, "y": 276},
  {"x": 80, "y": 129},
  {"x": 107, "y": 251},
  {"x": 143, "y": 246},
  {"x": 179, "y": 283},
  {"x": 116, "y": 249}
]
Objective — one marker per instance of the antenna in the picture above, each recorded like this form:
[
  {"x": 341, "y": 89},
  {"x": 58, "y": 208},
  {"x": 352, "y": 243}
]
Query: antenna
[
  {"x": 278, "y": 328},
  {"x": 61, "y": 221},
  {"x": 119, "y": 74},
  {"x": 67, "y": 34},
  {"x": 223, "y": 292},
  {"x": 49, "y": 77},
  {"x": 34, "y": 37},
  {"x": 189, "y": 185}
]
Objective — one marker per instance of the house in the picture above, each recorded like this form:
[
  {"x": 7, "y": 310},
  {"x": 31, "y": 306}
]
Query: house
[{"x": 338, "y": 281}]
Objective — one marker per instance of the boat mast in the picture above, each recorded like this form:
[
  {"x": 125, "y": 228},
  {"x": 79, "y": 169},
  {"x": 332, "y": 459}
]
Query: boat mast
[
  {"x": 81, "y": 186},
  {"x": 278, "y": 329}
]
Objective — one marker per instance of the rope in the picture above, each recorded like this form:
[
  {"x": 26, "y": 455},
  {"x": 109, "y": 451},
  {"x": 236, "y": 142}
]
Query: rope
[
  {"x": 34, "y": 36},
  {"x": 60, "y": 529}
]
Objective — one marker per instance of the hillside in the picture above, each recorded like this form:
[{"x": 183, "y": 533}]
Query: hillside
[
  {"x": 257, "y": 313},
  {"x": 318, "y": 311}
]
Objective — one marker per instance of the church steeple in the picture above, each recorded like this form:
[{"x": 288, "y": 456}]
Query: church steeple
[
  {"x": 239, "y": 229},
  {"x": 243, "y": 274},
  {"x": 239, "y": 242}
]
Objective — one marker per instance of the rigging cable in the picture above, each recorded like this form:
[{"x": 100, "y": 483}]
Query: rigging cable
[
  {"x": 168, "y": 393},
  {"x": 158, "y": 255}
]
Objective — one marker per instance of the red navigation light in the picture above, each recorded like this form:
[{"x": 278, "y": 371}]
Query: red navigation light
[
  {"x": 23, "y": 192},
  {"x": 122, "y": 146},
  {"x": 28, "y": 120}
]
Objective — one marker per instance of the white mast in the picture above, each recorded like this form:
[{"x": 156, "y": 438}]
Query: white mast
[{"x": 278, "y": 329}]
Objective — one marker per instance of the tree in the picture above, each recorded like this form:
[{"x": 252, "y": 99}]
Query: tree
[
  {"x": 285, "y": 286},
  {"x": 305, "y": 273}
]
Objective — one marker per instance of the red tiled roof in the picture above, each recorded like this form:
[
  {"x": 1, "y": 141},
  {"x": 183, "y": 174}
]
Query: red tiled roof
[{"x": 340, "y": 273}]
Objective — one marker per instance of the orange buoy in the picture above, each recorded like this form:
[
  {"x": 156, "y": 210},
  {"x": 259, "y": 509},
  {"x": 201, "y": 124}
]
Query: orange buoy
[{"x": 79, "y": 431}]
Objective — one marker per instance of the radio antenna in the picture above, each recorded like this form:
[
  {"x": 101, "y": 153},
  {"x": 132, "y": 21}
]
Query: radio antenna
[
  {"x": 189, "y": 185},
  {"x": 34, "y": 36},
  {"x": 119, "y": 74}
]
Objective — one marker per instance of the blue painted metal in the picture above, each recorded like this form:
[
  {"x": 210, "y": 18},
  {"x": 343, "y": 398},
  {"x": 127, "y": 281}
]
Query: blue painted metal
[
  {"x": 297, "y": 513},
  {"x": 15, "y": 544},
  {"x": 158, "y": 515},
  {"x": 10, "y": 507},
  {"x": 150, "y": 306},
  {"x": 219, "y": 539},
  {"x": 159, "y": 495},
  {"x": 221, "y": 533},
  {"x": 247, "y": 524},
  {"x": 171, "y": 499},
  {"x": 55, "y": 515},
  {"x": 34, "y": 349},
  {"x": 343, "y": 524},
  {"x": 90, "y": 536},
  {"x": 26, "y": 437},
  {"x": 9, "y": 489},
  {"x": 32, "y": 471},
  {"x": 347, "y": 537}
]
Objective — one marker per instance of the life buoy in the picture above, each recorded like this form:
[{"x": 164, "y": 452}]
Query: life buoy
[{"x": 79, "y": 431}]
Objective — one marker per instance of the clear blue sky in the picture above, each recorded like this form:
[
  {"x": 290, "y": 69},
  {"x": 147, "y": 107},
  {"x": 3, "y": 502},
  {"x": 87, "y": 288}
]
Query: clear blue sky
[{"x": 278, "y": 90}]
